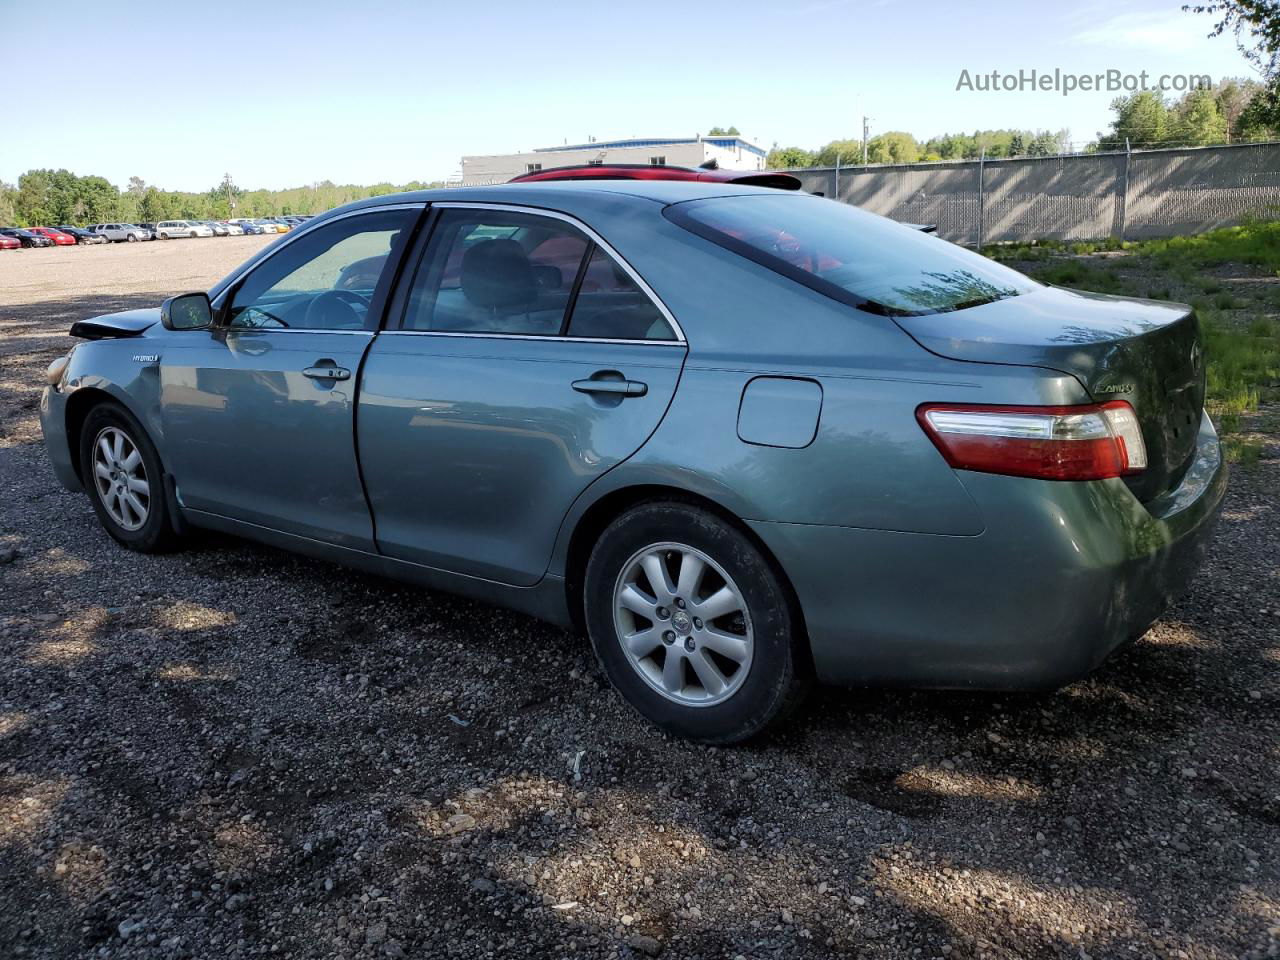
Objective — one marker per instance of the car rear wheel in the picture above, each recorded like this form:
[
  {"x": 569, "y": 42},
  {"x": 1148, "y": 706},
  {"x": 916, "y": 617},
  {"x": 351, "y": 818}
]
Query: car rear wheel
[
  {"x": 693, "y": 625},
  {"x": 122, "y": 472}
]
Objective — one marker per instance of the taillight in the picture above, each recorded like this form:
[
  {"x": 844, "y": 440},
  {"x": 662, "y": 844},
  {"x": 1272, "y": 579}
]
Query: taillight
[{"x": 1091, "y": 442}]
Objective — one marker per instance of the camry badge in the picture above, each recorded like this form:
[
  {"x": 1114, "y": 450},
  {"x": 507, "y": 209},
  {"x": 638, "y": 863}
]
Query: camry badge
[{"x": 1116, "y": 388}]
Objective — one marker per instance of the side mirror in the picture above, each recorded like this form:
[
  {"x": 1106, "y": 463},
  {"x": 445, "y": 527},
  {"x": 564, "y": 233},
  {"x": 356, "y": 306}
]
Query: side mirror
[{"x": 187, "y": 311}]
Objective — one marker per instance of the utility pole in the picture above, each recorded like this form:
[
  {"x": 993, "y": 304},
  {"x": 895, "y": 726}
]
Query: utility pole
[
  {"x": 227, "y": 187},
  {"x": 865, "y": 130}
]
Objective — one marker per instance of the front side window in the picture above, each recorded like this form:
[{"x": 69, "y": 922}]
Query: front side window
[
  {"x": 502, "y": 272},
  {"x": 851, "y": 255},
  {"x": 324, "y": 280}
]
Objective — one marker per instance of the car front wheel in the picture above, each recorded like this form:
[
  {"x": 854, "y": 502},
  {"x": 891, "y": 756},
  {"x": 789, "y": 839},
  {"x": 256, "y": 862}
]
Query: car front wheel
[
  {"x": 132, "y": 238},
  {"x": 122, "y": 472},
  {"x": 693, "y": 625}
]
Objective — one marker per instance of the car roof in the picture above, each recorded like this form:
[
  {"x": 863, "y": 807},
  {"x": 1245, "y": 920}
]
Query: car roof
[{"x": 562, "y": 193}]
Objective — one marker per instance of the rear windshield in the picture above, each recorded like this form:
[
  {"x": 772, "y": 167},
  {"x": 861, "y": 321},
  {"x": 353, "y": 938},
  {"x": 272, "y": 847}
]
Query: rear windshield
[{"x": 851, "y": 255}]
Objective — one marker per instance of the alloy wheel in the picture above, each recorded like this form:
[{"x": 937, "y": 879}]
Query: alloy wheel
[
  {"x": 120, "y": 478},
  {"x": 683, "y": 624}
]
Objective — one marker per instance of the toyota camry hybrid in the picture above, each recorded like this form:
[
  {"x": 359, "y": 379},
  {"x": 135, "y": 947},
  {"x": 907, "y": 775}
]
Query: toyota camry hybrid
[{"x": 743, "y": 438}]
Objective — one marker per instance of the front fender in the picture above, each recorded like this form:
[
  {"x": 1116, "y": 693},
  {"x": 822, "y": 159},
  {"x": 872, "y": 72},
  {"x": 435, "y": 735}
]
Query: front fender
[{"x": 125, "y": 371}]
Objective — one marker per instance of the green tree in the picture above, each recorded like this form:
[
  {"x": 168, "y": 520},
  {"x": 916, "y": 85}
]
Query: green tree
[
  {"x": 849, "y": 153},
  {"x": 152, "y": 208},
  {"x": 33, "y": 200},
  {"x": 1196, "y": 120},
  {"x": 1142, "y": 119},
  {"x": 8, "y": 203},
  {"x": 1256, "y": 27},
  {"x": 893, "y": 147},
  {"x": 1255, "y": 24},
  {"x": 788, "y": 158},
  {"x": 723, "y": 132}
]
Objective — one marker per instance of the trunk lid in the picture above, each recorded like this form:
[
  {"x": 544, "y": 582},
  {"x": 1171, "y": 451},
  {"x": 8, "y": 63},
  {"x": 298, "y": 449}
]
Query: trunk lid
[{"x": 1145, "y": 352}]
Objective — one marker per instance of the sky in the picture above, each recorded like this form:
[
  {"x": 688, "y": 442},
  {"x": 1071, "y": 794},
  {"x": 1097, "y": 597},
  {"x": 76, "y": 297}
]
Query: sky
[{"x": 281, "y": 93}]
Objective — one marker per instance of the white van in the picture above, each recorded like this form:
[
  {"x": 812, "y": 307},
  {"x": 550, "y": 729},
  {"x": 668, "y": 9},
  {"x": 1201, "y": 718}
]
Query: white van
[{"x": 171, "y": 229}]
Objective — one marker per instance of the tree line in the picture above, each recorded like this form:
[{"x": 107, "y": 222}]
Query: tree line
[
  {"x": 1235, "y": 111},
  {"x": 58, "y": 197}
]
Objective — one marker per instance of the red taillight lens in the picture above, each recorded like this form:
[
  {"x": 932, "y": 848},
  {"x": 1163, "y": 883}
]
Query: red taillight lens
[{"x": 1090, "y": 442}]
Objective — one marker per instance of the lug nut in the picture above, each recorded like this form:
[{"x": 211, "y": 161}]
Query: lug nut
[
  {"x": 663, "y": 613},
  {"x": 697, "y": 624},
  {"x": 689, "y": 644},
  {"x": 680, "y": 602},
  {"x": 668, "y": 637}
]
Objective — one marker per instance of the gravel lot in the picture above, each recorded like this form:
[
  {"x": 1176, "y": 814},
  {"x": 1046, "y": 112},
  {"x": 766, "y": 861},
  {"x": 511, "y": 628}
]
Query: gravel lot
[{"x": 231, "y": 751}]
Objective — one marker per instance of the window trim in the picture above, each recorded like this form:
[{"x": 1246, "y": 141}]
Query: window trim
[
  {"x": 401, "y": 299},
  {"x": 373, "y": 322}
]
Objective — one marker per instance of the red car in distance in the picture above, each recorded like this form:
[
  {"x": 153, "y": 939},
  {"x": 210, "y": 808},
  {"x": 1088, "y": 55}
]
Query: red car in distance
[
  {"x": 644, "y": 171},
  {"x": 9, "y": 243},
  {"x": 57, "y": 236}
]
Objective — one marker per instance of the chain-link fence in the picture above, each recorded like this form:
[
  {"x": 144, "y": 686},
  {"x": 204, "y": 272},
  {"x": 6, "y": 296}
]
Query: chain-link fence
[{"x": 1077, "y": 197}]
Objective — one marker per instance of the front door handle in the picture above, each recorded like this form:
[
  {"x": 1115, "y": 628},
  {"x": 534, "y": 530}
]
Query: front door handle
[
  {"x": 327, "y": 373},
  {"x": 621, "y": 388}
]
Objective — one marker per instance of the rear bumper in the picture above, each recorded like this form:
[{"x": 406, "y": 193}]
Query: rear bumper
[
  {"x": 53, "y": 424},
  {"x": 1063, "y": 574}
]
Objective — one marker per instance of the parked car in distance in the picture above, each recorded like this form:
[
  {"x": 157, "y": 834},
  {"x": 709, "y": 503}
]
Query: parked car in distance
[
  {"x": 173, "y": 229},
  {"x": 9, "y": 243},
  {"x": 59, "y": 238},
  {"x": 233, "y": 229},
  {"x": 149, "y": 229},
  {"x": 219, "y": 229},
  {"x": 252, "y": 228},
  {"x": 84, "y": 236},
  {"x": 120, "y": 232},
  {"x": 740, "y": 436},
  {"x": 26, "y": 237},
  {"x": 646, "y": 171}
]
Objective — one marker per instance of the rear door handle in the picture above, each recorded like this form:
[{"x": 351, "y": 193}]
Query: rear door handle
[
  {"x": 623, "y": 388},
  {"x": 327, "y": 373}
]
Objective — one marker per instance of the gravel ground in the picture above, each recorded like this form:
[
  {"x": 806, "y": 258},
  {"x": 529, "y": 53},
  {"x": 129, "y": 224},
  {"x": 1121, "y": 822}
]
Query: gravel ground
[{"x": 232, "y": 751}]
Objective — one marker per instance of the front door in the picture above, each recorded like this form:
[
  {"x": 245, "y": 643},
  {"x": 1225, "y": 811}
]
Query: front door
[
  {"x": 259, "y": 412},
  {"x": 528, "y": 361}
]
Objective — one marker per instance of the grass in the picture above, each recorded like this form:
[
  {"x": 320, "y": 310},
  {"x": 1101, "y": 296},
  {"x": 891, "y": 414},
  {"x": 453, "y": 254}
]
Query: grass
[{"x": 1240, "y": 320}]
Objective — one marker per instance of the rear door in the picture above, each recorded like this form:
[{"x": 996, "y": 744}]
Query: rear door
[
  {"x": 261, "y": 409},
  {"x": 528, "y": 359}
]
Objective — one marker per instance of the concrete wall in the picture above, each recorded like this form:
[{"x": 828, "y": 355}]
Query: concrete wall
[{"x": 1080, "y": 197}]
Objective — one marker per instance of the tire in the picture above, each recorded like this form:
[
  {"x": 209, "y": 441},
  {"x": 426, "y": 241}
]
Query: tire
[
  {"x": 132, "y": 239},
  {"x": 155, "y": 533},
  {"x": 164, "y": 236},
  {"x": 753, "y": 655},
  {"x": 192, "y": 235}
]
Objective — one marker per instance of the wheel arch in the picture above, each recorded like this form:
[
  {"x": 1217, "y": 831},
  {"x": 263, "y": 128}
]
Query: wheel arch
[
  {"x": 595, "y": 518},
  {"x": 79, "y": 403}
]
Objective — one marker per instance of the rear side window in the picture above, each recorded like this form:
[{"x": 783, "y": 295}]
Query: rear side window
[
  {"x": 851, "y": 255},
  {"x": 611, "y": 305},
  {"x": 503, "y": 272}
]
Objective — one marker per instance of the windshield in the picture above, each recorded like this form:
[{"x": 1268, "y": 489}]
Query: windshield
[{"x": 851, "y": 255}]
